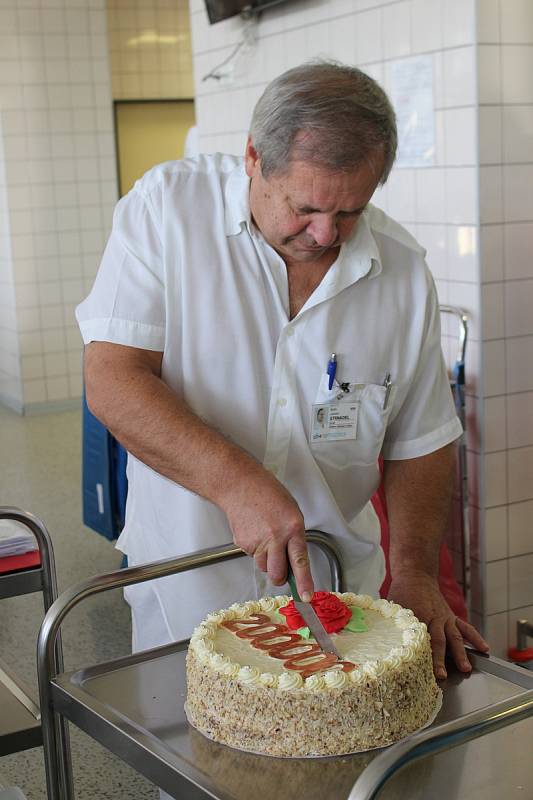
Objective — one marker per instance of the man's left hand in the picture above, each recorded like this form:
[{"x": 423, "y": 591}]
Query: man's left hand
[{"x": 420, "y": 592}]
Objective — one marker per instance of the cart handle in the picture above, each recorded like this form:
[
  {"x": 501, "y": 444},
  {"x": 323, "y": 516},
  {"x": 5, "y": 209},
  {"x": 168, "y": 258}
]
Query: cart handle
[
  {"x": 147, "y": 572},
  {"x": 463, "y": 329},
  {"x": 439, "y": 738},
  {"x": 46, "y": 552}
]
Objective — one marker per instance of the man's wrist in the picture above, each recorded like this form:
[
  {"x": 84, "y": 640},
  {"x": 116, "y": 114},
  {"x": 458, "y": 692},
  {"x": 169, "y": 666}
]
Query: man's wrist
[{"x": 414, "y": 570}]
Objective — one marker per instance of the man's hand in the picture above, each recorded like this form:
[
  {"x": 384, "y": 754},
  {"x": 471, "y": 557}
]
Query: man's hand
[
  {"x": 268, "y": 525},
  {"x": 420, "y": 592},
  {"x": 125, "y": 391}
]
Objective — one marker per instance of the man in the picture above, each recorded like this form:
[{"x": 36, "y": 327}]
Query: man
[{"x": 224, "y": 289}]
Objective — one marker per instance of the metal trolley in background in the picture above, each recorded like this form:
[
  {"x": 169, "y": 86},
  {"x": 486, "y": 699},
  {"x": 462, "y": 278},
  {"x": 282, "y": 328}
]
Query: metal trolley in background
[
  {"x": 458, "y": 387},
  {"x": 20, "y": 720},
  {"x": 134, "y": 706}
]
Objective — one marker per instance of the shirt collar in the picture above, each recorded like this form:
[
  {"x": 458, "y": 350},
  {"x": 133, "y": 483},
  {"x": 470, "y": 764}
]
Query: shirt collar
[
  {"x": 358, "y": 257},
  {"x": 237, "y": 200}
]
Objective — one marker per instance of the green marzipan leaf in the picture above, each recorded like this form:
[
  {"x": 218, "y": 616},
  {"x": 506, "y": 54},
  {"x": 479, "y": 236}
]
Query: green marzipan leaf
[
  {"x": 357, "y": 623},
  {"x": 305, "y": 633}
]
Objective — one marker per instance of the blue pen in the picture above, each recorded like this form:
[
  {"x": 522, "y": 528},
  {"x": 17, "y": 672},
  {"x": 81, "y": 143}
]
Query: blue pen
[{"x": 332, "y": 369}]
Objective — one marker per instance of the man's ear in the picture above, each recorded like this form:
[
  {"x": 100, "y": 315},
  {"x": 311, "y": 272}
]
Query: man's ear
[{"x": 252, "y": 162}]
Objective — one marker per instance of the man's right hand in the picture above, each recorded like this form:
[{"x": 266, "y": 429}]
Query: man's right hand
[
  {"x": 125, "y": 391},
  {"x": 268, "y": 525}
]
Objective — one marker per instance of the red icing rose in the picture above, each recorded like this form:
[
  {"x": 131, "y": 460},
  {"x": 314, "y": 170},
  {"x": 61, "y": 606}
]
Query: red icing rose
[{"x": 332, "y": 613}]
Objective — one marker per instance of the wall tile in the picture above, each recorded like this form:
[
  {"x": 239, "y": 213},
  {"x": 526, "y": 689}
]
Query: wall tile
[
  {"x": 492, "y": 252},
  {"x": 433, "y": 238},
  {"x": 517, "y": 194},
  {"x": 517, "y": 133},
  {"x": 495, "y": 465},
  {"x": 401, "y": 195},
  {"x": 430, "y": 195},
  {"x": 517, "y": 22},
  {"x": 518, "y": 308},
  {"x": 493, "y": 310},
  {"x": 458, "y": 23},
  {"x": 495, "y": 534},
  {"x": 494, "y": 429},
  {"x": 426, "y": 27},
  {"x": 520, "y": 474},
  {"x": 460, "y": 136},
  {"x": 396, "y": 31},
  {"x": 463, "y": 260},
  {"x": 521, "y": 528},
  {"x": 459, "y": 71},
  {"x": 519, "y": 364},
  {"x": 496, "y": 587},
  {"x": 520, "y": 419},
  {"x": 488, "y": 21},
  {"x": 34, "y": 391},
  {"x": 496, "y": 634},
  {"x": 57, "y": 388},
  {"x": 489, "y": 74},
  {"x": 461, "y": 196},
  {"x": 520, "y": 583},
  {"x": 491, "y": 194},
  {"x": 490, "y": 135},
  {"x": 518, "y": 245},
  {"x": 517, "y": 68}
]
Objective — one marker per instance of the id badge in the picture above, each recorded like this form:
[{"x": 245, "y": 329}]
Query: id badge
[{"x": 332, "y": 422}]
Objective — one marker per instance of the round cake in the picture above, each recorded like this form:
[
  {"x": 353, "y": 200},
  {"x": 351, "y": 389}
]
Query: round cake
[{"x": 257, "y": 680}]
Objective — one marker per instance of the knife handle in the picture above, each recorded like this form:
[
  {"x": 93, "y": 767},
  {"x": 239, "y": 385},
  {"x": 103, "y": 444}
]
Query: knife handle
[{"x": 291, "y": 580}]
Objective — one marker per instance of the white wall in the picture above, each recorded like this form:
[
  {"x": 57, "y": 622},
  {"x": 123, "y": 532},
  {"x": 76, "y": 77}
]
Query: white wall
[
  {"x": 477, "y": 192},
  {"x": 150, "y": 48},
  {"x": 505, "y": 551},
  {"x": 60, "y": 186},
  {"x": 10, "y": 377}
]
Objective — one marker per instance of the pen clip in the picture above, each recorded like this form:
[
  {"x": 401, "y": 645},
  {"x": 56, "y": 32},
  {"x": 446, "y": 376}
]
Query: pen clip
[{"x": 387, "y": 383}]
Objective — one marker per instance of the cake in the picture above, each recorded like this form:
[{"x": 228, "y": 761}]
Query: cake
[{"x": 257, "y": 680}]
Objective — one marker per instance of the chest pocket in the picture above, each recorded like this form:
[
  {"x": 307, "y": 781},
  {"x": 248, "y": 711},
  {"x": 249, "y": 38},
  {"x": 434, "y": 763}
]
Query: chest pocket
[{"x": 371, "y": 424}]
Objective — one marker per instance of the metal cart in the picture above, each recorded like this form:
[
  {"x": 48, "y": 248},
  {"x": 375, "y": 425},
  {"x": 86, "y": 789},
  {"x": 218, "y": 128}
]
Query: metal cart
[
  {"x": 134, "y": 707},
  {"x": 20, "y": 721}
]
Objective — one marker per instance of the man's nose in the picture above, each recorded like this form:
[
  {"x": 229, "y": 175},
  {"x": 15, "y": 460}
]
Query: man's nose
[{"x": 323, "y": 229}]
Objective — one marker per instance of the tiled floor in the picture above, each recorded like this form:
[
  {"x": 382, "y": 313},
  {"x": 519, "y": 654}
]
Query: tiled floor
[{"x": 40, "y": 472}]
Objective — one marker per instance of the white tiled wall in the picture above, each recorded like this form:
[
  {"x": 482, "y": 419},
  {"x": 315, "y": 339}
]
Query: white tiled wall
[
  {"x": 505, "y": 50},
  {"x": 60, "y": 183},
  {"x": 10, "y": 378},
  {"x": 150, "y": 48},
  {"x": 472, "y": 210}
]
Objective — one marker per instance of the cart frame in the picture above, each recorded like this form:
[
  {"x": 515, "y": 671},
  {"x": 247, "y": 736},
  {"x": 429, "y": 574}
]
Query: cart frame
[
  {"x": 42, "y": 578},
  {"x": 56, "y": 755}
]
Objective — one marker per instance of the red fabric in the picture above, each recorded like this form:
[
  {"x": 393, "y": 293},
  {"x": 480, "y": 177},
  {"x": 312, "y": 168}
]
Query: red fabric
[
  {"x": 20, "y": 563},
  {"x": 448, "y": 585}
]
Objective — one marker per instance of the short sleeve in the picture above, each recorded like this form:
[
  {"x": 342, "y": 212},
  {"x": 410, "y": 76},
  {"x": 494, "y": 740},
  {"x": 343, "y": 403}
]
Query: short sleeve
[
  {"x": 426, "y": 419},
  {"x": 127, "y": 302}
]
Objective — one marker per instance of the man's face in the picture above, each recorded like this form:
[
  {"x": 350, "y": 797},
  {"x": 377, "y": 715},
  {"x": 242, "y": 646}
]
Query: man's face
[{"x": 308, "y": 211}]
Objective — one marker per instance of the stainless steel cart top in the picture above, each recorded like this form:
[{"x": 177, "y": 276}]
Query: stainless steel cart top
[{"x": 134, "y": 707}]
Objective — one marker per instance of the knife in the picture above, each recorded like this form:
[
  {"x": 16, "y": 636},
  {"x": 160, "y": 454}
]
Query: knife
[{"x": 311, "y": 620}]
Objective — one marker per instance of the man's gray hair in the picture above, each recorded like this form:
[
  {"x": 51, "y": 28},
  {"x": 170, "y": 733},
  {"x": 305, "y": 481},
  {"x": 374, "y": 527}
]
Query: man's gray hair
[{"x": 327, "y": 113}]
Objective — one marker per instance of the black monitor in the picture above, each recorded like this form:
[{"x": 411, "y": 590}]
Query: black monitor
[{"x": 217, "y": 10}]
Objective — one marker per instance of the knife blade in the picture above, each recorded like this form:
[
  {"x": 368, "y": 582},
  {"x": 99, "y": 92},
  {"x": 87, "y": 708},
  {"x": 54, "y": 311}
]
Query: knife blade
[{"x": 311, "y": 620}]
